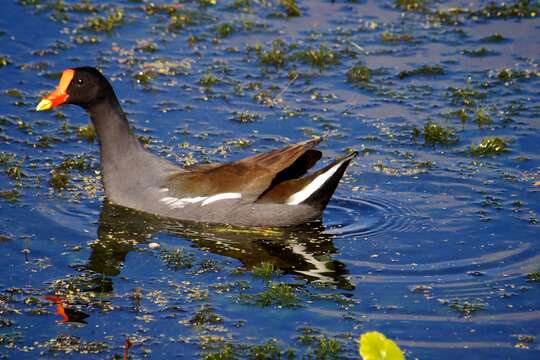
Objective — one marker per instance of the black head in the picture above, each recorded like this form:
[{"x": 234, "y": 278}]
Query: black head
[
  {"x": 88, "y": 87},
  {"x": 83, "y": 86}
]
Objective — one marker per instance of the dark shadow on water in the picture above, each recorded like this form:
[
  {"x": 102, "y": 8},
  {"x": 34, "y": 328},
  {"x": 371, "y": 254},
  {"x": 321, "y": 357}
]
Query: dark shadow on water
[{"x": 303, "y": 250}]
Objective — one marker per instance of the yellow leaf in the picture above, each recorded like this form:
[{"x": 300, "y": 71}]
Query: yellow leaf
[{"x": 375, "y": 346}]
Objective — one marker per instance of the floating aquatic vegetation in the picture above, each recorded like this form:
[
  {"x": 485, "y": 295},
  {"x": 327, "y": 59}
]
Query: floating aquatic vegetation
[
  {"x": 266, "y": 271},
  {"x": 148, "y": 46},
  {"x": 59, "y": 180},
  {"x": 425, "y": 70},
  {"x": 359, "y": 73},
  {"x": 395, "y": 38},
  {"x": 15, "y": 171},
  {"x": 75, "y": 163},
  {"x": 224, "y": 30},
  {"x": 85, "y": 39},
  {"x": 375, "y": 346},
  {"x": 477, "y": 52},
  {"x": 276, "y": 294},
  {"x": 207, "y": 2},
  {"x": 152, "y": 8},
  {"x": 113, "y": 19},
  {"x": 227, "y": 353},
  {"x": 493, "y": 38},
  {"x": 507, "y": 75},
  {"x": 72, "y": 344},
  {"x": 464, "y": 307},
  {"x": 482, "y": 118},
  {"x": 519, "y": 9},
  {"x": 205, "y": 315},
  {"x": 533, "y": 277},
  {"x": 467, "y": 96},
  {"x": 489, "y": 147},
  {"x": 182, "y": 18},
  {"x": 176, "y": 259},
  {"x": 411, "y": 5},
  {"x": 16, "y": 93},
  {"x": 245, "y": 116},
  {"x": 270, "y": 350},
  {"x": 435, "y": 134},
  {"x": 208, "y": 81},
  {"x": 291, "y": 8},
  {"x": 327, "y": 348},
  {"x": 276, "y": 56},
  {"x": 321, "y": 57},
  {"x": 87, "y": 132},
  {"x": 11, "y": 196}
]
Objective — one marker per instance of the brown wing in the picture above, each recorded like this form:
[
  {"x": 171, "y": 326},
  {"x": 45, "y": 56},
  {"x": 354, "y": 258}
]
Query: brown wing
[{"x": 251, "y": 176}]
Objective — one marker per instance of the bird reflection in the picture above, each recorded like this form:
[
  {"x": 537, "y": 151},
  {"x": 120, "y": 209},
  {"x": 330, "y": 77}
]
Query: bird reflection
[{"x": 303, "y": 250}]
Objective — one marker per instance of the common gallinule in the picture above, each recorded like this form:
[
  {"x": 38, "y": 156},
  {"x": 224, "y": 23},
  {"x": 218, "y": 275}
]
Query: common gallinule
[{"x": 267, "y": 189}]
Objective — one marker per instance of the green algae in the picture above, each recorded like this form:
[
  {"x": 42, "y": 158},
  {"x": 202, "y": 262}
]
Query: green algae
[
  {"x": 275, "y": 294},
  {"x": 489, "y": 147},
  {"x": 245, "y": 116},
  {"x": 464, "y": 307},
  {"x": 205, "y": 315},
  {"x": 227, "y": 353},
  {"x": 480, "y": 52},
  {"x": 176, "y": 259},
  {"x": 425, "y": 70},
  {"x": 321, "y": 58},
  {"x": 107, "y": 23},
  {"x": 482, "y": 118},
  {"x": 208, "y": 81},
  {"x": 395, "y": 38},
  {"x": 533, "y": 277},
  {"x": 4, "y": 61},
  {"x": 519, "y": 9},
  {"x": 266, "y": 271},
  {"x": 71, "y": 344},
  {"x": 412, "y": 5},
  {"x": 359, "y": 74},
  {"x": 291, "y": 8},
  {"x": 87, "y": 132},
  {"x": 276, "y": 56},
  {"x": 493, "y": 38},
  {"x": 435, "y": 134},
  {"x": 466, "y": 96},
  {"x": 270, "y": 350},
  {"x": 11, "y": 196},
  {"x": 328, "y": 348},
  {"x": 59, "y": 179},
  {"x": 224, "y": 30}
]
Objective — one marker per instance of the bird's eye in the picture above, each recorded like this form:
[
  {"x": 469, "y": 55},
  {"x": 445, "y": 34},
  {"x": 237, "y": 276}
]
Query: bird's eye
[{"x": 80, "y": 81}]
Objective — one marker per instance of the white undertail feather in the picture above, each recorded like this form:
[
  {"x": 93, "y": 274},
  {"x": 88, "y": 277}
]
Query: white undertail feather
[{"x": 313, "y": 186}]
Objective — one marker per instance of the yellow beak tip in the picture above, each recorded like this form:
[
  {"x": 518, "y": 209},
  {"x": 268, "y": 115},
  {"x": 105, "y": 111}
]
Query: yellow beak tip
[{"x": 44, "y": 104}]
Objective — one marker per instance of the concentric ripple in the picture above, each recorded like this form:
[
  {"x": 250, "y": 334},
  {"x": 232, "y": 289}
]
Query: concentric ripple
[{"x": 369, "y": 218}]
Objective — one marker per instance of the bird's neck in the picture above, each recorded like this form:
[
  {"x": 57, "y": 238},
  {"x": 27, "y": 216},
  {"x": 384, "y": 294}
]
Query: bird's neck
[
  {"x": 113, "y": 130},
  {"x": 127, "y": 167},
  {"x": 121, "y": 152}
]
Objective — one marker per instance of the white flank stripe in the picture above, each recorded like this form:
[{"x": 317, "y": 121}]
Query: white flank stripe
[
  {"x": 222, "y": 196},
  {"x": 180, "y": 203},
  {"x": 313, "y": 186}
]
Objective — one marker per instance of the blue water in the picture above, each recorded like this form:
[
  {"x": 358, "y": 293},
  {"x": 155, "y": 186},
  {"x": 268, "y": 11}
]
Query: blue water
[{"x": 413, "y": 228}]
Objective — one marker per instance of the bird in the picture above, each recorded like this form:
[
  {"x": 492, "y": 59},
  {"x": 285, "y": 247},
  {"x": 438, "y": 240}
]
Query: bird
[{"x": 270, "y": 189}]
